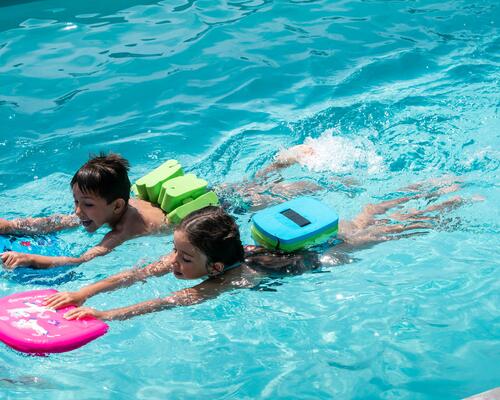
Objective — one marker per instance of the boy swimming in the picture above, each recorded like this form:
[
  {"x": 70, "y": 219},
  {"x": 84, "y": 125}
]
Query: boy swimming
[
  {"x": 101, "y": 192},
  {"x": 207, "y": 245}
]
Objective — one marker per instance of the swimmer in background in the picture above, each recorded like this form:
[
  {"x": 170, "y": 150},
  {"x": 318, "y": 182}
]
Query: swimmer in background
[
  {"x": 101, "y": 192},
  {"x": 207, "y": 246}
]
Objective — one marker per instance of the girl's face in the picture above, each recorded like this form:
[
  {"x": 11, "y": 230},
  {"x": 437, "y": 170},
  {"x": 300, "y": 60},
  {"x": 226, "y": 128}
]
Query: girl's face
[{"x": 189, "y": 262}]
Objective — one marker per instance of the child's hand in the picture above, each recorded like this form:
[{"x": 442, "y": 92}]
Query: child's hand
[
  {"x": 82, "y": 312},
  {"x": 13, "y": 259},
  {"x": 62, "y": 299}
]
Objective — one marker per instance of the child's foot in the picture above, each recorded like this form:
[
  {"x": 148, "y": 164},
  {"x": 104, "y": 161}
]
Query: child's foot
[{"x": 420, "y": 215}]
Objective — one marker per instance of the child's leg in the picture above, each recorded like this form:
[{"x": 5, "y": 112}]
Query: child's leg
[
  {"x": 433, "y": 183},
  {"x": 381, "y": 228},
  {"x": 385, "y": 231},
  {"x": 293, "y": 189},
  {"x": 263, "y": 196},
  {"x": 286, "y": 158},
  {"x": 400, "y": 228},
  {"x": 367, "y": 216},
  {"x": 379, "y": 231},
  {"x": 446, "y": 205}
]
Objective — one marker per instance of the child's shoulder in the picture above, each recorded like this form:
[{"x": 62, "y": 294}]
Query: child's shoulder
[{"x": 144, "y": 213}]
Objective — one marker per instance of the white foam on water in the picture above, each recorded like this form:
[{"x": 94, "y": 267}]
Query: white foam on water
[{"x": 334, "y": 153}]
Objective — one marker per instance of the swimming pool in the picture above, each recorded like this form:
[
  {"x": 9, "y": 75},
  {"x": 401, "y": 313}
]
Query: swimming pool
[{"x": 392, "y": 92}]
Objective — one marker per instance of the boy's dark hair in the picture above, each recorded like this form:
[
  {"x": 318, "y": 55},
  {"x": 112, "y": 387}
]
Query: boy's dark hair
[
  {"x": 215, "y": 233},
  {"x": 105, "y": 175}
]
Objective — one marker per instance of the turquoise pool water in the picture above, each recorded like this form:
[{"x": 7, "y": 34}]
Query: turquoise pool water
[{"x": 390, "y": 93}]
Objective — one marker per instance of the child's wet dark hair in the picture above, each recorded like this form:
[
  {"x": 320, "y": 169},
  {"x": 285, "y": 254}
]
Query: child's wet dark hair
[
  {"x": 215, "y": 233},
  {"x": 106, "y": 175}
]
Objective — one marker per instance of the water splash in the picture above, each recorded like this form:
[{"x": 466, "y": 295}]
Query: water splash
[{"x": 334, "y": 153}]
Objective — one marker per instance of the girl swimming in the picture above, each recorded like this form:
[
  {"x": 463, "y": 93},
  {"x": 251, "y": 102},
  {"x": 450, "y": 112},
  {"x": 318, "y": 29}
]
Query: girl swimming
[{"x": 206, "y": 244}]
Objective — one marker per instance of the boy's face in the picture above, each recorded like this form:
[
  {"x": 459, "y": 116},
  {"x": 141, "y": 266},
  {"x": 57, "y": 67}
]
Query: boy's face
[
  {"x": 92, "y": 209},
  {"x": 189, "y": 262}
]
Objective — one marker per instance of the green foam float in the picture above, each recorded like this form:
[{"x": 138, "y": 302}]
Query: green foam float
[
  {"x": 180, "y": 190},
  {"x": 175, "y": 193},
  {"x": 149, "y": 186},
  {"x": 207, "y": 199}
]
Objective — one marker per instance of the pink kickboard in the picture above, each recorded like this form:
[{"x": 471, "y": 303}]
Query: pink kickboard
[{"x": 28, "y": 326}]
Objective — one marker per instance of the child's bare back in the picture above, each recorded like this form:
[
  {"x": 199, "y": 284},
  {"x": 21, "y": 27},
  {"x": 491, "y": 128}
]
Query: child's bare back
[{"x": 144, "y": 218}]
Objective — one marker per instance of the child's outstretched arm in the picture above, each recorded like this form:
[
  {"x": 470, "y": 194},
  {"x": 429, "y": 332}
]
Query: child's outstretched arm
[
  {"x": 206, "y": 290},
  {"x": 41, "y": 225},
  {"x": 122, "y": 279},
  {"x": 13, "y": 259}
]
